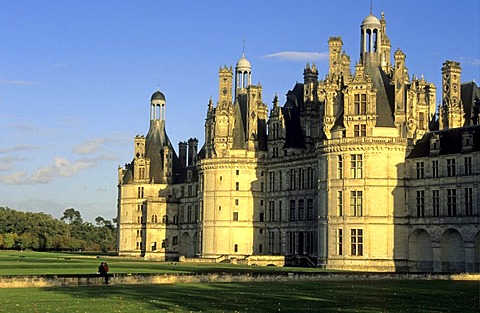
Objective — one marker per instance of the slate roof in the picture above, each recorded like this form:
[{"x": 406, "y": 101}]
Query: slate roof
[
  {"x": 469, "y": 91},
  {"x": 385, "y": 96},
  {"x": 291, "y": 113},
  {"x": 450, "y": 141}
]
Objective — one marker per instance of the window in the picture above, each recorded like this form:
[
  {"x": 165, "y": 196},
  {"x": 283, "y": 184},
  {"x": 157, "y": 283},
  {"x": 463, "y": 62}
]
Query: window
[
  {"x": 356, "y": 203},
  {"x": 356, "y": 242},
  {"x": 340, "y": 203},
  {"x": 436, "y": 202},
  {"x": 293, "y": 179},
  {"x": 360, "y": 130},
  {"x": 339, "y": 241},
  {"x": 190, "y": 190},
  {"x": 420, "y": 170},
  {"x": 237, "y": 186},
  {"x": 270, "y": 242},
  {"x": 301, "y": 210},
  {"x": 468, "y": 165},
  {"x": 468, "y": 201},
  {"x": 271, "y": 211},
  {"x": 189, "y": 214},
  {"x": 262, "y": 217},
  {"x": 271, "y": 181},
  {"x": 195, "y": 213},
  {"x": 451, "y": 202},
  {"x": 340, "y": 167},
  {"x": 260, "y": 248},
  {"x": 165, "y": 219},
  {"x": 292, "y": 210},
  {"x": 309, "y": 209},
  {"x": 310, "y": 178},
  {"x": 280, "y": 180},
  {"x": 237, "y": 172},
  {"x": 154, "y": 219},
  {"x": 280, "y": 210},
  {"x": 301, "y": 178},
  {"x": 236, "y": 202},
  {"x": 175, "y": 240},
  {"x": 435, "y": 168},
  {"x": 141, "y": 173},
  {"x": 235, "y": 248},
  {"x": 360, "y": 103},
  {"x": 235, "y": 216},
  {"x": 356, "y": 166},
  {"x": 450, "y": 167},
  {"x": 421, "y": 121},
  {"x": 140, "y": 192},
  {"x": 420, "y": 203}
]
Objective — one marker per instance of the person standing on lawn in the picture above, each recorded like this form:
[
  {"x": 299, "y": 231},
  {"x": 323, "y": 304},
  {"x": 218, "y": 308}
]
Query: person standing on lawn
[{"x": 103, "y": 271}]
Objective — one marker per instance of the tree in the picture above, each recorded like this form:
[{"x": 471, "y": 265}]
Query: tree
[
  {"x": 72, "y": 216},
  {"x": 100, "y": 221}
]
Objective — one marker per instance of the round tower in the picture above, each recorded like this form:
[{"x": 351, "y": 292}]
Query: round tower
[
  {"x": 157, "y": 106},
  {"x": 243, "y": 74}
]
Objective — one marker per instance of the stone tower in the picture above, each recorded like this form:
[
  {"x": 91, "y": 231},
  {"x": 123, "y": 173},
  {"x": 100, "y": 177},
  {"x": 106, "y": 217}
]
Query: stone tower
[{"x": 451, "y": 111}]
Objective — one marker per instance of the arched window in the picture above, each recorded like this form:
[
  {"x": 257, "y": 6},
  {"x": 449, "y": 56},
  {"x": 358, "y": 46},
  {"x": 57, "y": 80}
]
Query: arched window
[
  {"x": 154, "y": 219},
  {"x": 165, "y": 219}
]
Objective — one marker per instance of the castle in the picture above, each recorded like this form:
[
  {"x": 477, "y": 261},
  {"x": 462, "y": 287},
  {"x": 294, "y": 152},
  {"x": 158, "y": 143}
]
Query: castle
[{"x": 357, "y": 171}]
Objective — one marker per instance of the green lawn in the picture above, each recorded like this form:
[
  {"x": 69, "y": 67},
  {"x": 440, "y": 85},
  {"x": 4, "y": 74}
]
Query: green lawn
[
  {"x": 292, "y": 296},
  {"x": 286, "y": 296},
  {"x": 40, "y": 263}
]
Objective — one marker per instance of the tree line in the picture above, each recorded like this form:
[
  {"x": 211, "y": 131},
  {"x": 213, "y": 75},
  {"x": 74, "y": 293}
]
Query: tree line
[{"x": 42, "y": 232}]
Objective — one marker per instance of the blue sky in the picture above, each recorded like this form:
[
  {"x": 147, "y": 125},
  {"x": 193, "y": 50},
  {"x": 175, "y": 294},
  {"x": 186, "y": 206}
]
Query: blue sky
[{"x": 76, "y": 76}]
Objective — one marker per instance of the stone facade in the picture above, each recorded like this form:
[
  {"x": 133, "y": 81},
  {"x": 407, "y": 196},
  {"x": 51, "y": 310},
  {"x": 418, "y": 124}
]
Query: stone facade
[{"x": 355, "y": 171}]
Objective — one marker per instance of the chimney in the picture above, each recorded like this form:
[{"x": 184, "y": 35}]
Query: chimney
[
  {"x": 192, "y": 151},
  {"x": 182, "y": 153}
]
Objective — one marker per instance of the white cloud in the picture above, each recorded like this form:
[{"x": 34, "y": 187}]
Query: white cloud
[
  {"x": 17, "y": 82},
  {"x": 18, "y": 148},
  {"x": 6, "y": 163},
  {"x": 469, "y": 60},
  {"x": 96, "y": 145},
  {"x": 297, "y": 56},
  {"x": 60, "y": 167}
]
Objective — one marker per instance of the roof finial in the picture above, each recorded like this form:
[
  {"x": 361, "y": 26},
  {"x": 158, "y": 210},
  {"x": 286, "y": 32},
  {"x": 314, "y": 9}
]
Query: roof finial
[
  {"x": 243, "y": 48},
  {"x": 371, "y": 6}
]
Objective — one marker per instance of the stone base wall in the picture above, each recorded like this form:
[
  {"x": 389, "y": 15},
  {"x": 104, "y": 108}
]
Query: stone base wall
[{"x": 131, "y": 279}]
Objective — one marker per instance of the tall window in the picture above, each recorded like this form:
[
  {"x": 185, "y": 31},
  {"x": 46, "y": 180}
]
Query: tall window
[
  {"x": 468, "y": 165},
  {"x": 237, "y": 186},
  {"x": 189, "y": 214},
  {"x": 293, "y": 179},
  {"x": 435, "y": 168},
  {"x": 310, "y": 178},
  {"x": 141, "y": 173},
  {"x": 271, "y": 211},
  {"x": 301, "y": 210},
  {"x": 280, "y": 180},
  {"x": 271, "y": 242},
  {"x": 154, "y": 219},
  {"x": 271, "y": 181},
  {"x": 421, "y": 121},
  {"x": 356, "y": 241},
  {"x": 340, "y": 167},
  {"x": 339, "y": 241},
  {"x": 436, "y": 202},
  {"x": 309, "y": 209},
  {"x": 420, "y": 170},
  {"x": 292, "y": 210},
  {"x": 360, "y": 103},
  {"x": 280, "y": 210},
  {"x": 468, "y": 201},
  {"x": 450, "y": 167},
  {"x": 235, "y": 216},
  {"x": 140, "y": 192},
  {"x": 356, "y": 203},
  {"x": 340, "y": 203},
  {"x": 360, "y": 130},
  {"x": 420, "y": 203},
  {"x": 301, "y": 178},
  {"x": 451, "y": 202},
  {"x": 356, "y": 166}
]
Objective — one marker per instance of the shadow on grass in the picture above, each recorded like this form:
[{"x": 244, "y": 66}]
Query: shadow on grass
[{"x": 292, "y": 296}]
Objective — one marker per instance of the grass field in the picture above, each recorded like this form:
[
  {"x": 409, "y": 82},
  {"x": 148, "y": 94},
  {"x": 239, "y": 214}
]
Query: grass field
[
  {"x": 284, "y": 296},
  {"x": 40, "y": 263},
  {"x": 292, "y": 296}
]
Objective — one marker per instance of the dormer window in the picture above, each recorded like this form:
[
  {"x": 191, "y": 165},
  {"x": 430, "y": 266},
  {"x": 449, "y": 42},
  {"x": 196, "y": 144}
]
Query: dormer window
[
  {"x": 360, "y": 103},
  {"x": 434, "y": 144},
  {"x": 467, "y": 141}
]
